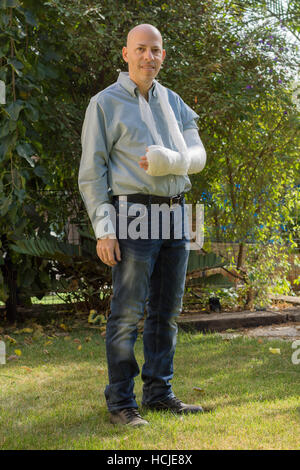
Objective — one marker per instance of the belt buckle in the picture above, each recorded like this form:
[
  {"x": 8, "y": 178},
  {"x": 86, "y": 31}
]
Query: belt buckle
[{"x": 174, "y": 200}]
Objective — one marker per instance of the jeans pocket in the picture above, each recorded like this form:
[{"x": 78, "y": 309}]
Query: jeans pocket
[{"x": 132, "y": 220}]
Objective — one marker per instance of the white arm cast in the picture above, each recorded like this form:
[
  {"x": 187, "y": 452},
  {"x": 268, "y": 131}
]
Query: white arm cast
[{"x": 163, "y": 161}]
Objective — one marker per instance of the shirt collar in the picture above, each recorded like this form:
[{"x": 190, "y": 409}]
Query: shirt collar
[{"x": 132, "y": 87}]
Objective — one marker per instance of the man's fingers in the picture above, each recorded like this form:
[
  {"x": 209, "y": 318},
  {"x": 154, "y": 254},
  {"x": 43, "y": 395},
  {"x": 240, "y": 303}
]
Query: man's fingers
[
  {"x": 109, "y": 257},
  {"x": 144, "y": 162}
]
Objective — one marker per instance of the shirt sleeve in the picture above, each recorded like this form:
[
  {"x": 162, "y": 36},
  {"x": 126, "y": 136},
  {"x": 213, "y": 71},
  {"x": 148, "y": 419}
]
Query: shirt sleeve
[
  {"x": 92, "y": 176},
  {"x": 188, "y": 116}
]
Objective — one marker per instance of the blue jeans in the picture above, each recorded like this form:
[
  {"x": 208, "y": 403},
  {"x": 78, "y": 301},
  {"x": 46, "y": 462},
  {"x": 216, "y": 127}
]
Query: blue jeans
[{"x": 151, "y": 275}]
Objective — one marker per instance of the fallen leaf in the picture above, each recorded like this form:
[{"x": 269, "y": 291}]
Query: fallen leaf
[
  {"x": 45, "y": 351},
  {"x": 76, "y": 340},
  {"x": 10, "y": 339},
  {"x": 18, "y": 352},
  {"x": 198, "y": 389},
  {"x": 63, "y": 326},
  {"x": 11, "y": 358},
  {"x": 87, "y": 339},
  {"x": 48, "y": 343},
  {"x": 26, "y": 368},
  {"x": 26, "y": 330},
  {"x": 94, "y": 318},
  {"x": 79, "y": 347},
  {"x": 67, "y": 338},
  {"x": 274, "y": 350}
]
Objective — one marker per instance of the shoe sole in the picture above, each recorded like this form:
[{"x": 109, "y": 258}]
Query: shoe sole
[{"x": 181, "y": 412}]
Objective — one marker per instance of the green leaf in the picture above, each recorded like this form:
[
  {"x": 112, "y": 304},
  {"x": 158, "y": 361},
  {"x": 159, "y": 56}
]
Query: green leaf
[
  {"x": 8, "y": 127},
  {"x": 16, "y": 64},
  {"x": 25, "y": 150},
  {"x": 4, "y": 208},
  {"x": 9, "y": 3},
  {"x": 30, "y": 18},
  {"x": 6, "y": 145},
  {"x": 4, "y": 50},
  {"x": 52, "y": 55},
  {"x": 4, "y": 20},
  {"x": 42, "y": 173},
  {"x": 46, "y": 71},
  {"x": 21, "y": 193},
  {"x": 31, "y": 113},
  {"x": 14, "y": 109}
]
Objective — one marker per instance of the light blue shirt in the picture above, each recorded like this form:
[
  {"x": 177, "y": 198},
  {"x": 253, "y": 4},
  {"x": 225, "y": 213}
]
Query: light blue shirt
[{"x": 114, "y": 138}]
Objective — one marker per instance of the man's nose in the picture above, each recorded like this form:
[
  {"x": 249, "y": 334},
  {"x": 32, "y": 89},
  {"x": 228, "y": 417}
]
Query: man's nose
[{"x": 148, "y": 54}]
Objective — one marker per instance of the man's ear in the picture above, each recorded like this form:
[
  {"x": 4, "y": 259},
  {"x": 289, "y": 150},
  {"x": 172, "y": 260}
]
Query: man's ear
[
  {"x": 124, "y": 53},
  {"x": 163, "y": 54}
]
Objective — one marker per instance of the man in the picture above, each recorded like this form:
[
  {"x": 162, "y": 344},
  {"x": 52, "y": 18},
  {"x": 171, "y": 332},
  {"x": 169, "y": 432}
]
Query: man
[{"x": 140, "y": 141}]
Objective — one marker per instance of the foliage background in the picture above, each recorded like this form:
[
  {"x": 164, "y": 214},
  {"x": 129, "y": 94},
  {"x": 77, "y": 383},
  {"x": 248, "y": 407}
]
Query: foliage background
[{"x": 231, "y": 61}]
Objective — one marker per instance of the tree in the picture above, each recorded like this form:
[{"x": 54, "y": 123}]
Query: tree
[{"x": 56, "y": 55}]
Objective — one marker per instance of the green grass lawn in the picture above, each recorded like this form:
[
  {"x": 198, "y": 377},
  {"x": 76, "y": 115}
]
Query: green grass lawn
[{"x": 51, "y": 396}]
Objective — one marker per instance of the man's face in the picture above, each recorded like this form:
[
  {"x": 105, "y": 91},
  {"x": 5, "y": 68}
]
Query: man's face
[{"x": 144, "y": 55}]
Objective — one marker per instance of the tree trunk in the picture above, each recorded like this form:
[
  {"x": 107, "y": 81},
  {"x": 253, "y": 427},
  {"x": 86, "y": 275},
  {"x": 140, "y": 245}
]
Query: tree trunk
[
  {"x": 9, "y": 276},
  {"x": 241, "y": 255},
  {"x": 249, "y": 305}
]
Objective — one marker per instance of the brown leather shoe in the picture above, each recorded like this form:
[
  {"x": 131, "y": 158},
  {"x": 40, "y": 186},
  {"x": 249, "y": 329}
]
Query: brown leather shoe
[{"x": 129, "y": 416}]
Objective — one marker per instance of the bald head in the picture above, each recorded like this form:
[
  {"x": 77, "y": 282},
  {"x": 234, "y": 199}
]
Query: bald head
[{"x": 147, "y": 29}]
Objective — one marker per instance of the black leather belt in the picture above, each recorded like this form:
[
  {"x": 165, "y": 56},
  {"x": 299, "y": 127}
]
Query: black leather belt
[{"x": 146, "y": 199}]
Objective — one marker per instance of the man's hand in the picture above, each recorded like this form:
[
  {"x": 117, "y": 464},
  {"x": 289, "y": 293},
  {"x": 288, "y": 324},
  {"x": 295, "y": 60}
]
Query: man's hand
[
  {"x": 108, "y": 250},
  {"x": 161, "y": 161}
]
